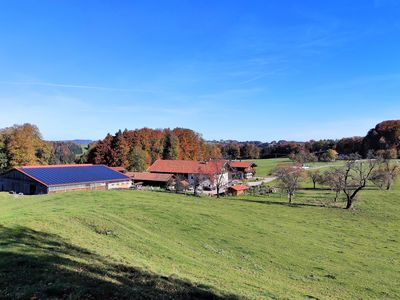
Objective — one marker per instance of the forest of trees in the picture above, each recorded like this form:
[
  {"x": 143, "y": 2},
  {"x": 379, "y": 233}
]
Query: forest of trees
[
  {"x": 385, "y": 136},
  {"x": 64, "y": 153},
  {"x": 137, "y": 149}
]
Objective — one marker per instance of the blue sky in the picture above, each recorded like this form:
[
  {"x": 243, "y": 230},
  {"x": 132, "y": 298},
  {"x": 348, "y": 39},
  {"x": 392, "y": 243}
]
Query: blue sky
[{"x": 247, "y": 70}]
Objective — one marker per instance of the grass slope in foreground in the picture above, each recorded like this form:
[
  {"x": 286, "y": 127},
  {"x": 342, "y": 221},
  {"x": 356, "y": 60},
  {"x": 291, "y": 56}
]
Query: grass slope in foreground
[{"x": 150, "y": 244}]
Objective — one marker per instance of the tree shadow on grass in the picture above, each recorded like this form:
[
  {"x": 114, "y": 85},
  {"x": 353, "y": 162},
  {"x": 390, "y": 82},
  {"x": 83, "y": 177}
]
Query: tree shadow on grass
[
  {"x": 293, "y": 204},
  {"x": 320, "y": 197},
  {"x": 316, "y": 189},
  {"x": 38, "y": 265}
]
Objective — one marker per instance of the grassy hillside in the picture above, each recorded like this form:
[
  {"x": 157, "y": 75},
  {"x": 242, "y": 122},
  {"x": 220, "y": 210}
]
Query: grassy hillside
[
  {"x": 153, "y": 244},
  {"x": 266, "y": 166}
]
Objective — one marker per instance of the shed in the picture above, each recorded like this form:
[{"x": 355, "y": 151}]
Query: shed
[{"x": 237, "y": 190}]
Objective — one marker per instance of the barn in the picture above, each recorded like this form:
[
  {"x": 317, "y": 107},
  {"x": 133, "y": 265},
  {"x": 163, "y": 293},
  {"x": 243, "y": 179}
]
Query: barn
[{"x": 33, "y": 180}]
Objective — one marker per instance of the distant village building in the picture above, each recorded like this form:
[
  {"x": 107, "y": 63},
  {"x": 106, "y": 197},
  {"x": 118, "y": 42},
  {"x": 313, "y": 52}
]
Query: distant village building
[
  {"x": 206, "y": 174},
  {"x": 151, "y": 179},
  {"x": 32, "y": 180},
  {"x": 243, "y": 169}
]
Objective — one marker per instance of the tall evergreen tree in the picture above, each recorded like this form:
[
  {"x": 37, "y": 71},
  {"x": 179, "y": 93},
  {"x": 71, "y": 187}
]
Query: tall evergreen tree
[
  {"x": 170, "y": 150},
  {"x": 137, "y": 159},
  {"x": 121, "y": 150}
]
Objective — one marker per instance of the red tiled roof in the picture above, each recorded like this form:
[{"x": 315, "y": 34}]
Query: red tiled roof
[
  {"x": 241, "y": 164},
  {"x": 118, "y": 169},
  {"x": 146, "y": 176},
  {"x": 186, "y": 166},
  {"x": 239, "y": 187}
]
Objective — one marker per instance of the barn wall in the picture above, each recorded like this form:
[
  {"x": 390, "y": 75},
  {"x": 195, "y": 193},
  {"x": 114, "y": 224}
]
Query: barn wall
[
  {"x": 94, "y": 186},
  {"x": 15, "y": 181},
  {"x": 152, "y": 183},
  {"x": 119, "y": 185},
  {"x": 77, "y": 187}
]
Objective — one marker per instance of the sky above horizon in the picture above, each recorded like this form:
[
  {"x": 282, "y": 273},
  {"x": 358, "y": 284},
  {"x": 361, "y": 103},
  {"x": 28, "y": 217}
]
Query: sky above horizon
[{"x": 244, "y": 70}]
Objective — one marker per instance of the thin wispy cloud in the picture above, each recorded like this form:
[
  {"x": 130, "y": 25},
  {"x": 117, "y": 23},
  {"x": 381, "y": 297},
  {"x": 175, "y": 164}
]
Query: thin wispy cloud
[
  {"x": 76, "y": 86},
  {"x": 262, "y": 75},
  {"x": 257, "y": 77}
]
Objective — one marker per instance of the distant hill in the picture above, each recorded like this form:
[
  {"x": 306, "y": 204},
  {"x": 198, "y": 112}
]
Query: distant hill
[{"x": 78, "y": 142}]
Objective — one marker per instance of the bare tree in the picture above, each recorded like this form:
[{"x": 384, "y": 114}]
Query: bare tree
[
  {"x": 334, "y": 178},
  {"x": 289, "y": 179},
  {"x": 197, "y": 181},
  {"x": 180, "y": 184},
  {"x": 217, "y": 170},
  {"x": 315, "y": 176},
  {"x": 303, "y": 156},
  {"x": 356, "y": 177},
  {"x": 385, "y": 175}
]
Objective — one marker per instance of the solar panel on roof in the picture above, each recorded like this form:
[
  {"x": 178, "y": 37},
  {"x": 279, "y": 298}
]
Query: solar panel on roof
[{"x": 78, "y": 174}]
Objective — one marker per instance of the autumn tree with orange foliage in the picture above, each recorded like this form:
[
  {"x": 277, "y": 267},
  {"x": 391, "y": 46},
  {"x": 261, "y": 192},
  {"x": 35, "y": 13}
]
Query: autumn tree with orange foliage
[
  {"x": 24, "y": 146},
  {"x": 189, "y": 144}
]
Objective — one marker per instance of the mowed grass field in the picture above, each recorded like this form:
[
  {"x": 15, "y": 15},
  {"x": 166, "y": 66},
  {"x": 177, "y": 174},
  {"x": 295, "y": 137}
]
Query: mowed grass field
[
  {"x": 265, "y": 167},
  {"x": 138, "y": 244}
]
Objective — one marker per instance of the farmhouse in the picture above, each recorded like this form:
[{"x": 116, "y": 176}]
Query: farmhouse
[
  {"x": 31, "y": 180},
  {"x": 206, "y": 174},
  {"x": 242, "y": 169},
  {"x": 151, "y": 179}
]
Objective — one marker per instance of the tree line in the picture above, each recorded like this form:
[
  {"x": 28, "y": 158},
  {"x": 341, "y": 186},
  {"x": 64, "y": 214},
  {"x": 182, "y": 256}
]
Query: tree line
[
  {"x": 383, "y": 137},
  {"x": 137, "y": 149}
]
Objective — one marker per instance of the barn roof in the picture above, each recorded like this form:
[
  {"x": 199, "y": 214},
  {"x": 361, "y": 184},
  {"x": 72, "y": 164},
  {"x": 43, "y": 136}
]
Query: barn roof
[
  {"x": 71, "y": 174},
  {"x": 146, "y": 176},
  {"x": 242, "y": 164},
  {"x": 186, "y": 166}
]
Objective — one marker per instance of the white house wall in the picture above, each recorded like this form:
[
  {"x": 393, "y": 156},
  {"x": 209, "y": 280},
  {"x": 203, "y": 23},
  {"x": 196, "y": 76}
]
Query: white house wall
[{"x": 206, "y": 182}]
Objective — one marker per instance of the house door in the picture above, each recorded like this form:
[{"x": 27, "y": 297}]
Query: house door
[{"x": 32, "y": 189}]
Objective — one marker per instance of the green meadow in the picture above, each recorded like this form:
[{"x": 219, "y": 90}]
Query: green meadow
[
  {"x": 138, "y": 244},
  {"x": 266, "y": 166}
]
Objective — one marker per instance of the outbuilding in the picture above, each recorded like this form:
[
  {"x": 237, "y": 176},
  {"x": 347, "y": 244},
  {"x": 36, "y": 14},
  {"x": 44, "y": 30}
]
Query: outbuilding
[
  {"x": 33, "y": 180},
  {"x": 238, "y": 190},
  {"x": 151, "y": 179}
]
